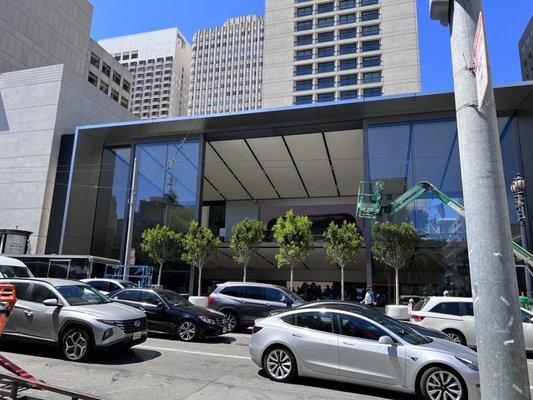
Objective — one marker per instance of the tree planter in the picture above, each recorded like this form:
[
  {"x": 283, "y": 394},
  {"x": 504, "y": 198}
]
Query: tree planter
[{"x": 397, "y": 312}]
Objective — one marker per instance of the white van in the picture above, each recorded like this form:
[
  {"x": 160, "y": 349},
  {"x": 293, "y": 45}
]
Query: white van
[{"x": 13, "y": 268}]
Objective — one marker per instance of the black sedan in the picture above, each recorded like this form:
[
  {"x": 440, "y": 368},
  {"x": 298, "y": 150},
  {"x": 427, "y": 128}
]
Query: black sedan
[{"x": 169, "y": 313}]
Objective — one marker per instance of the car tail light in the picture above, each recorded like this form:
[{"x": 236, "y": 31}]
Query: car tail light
[
  {"x": 256, "y": 329},
  {"x": 417, "y": 318},
  {"x": 210, "y": 300}
]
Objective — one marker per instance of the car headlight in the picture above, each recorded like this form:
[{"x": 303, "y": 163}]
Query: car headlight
[
  {"x": 108, "y": 322},
  {"x": 207, "y": 320},
  {"x": 468, "y": 363}
]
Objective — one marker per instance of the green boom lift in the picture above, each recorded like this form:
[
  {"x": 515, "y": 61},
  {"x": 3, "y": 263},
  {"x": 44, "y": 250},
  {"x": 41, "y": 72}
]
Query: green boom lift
[{"x": 369, "y": 206}]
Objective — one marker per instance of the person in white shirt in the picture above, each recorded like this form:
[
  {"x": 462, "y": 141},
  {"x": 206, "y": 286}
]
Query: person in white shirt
[{"x": 369, "y": 299}]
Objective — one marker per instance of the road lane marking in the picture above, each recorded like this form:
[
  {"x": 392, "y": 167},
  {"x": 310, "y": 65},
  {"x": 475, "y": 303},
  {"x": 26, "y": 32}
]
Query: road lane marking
[{"x": 202, "y": 353}]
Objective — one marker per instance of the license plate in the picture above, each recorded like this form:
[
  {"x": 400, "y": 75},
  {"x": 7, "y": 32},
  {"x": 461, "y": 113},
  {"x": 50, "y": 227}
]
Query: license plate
[{"x": 137, "y": 335}]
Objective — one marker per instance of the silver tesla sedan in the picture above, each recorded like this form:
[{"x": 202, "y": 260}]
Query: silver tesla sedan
[{"x": 364, "y": 348}]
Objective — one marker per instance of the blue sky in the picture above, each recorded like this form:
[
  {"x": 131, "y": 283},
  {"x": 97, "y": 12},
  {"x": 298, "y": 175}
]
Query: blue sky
[{"x": 505, "y": 22}]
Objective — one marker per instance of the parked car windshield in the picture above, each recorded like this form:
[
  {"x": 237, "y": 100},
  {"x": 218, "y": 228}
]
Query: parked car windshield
[
  {"x": 172, "y": 298},
  {"x": 405, "y": 332},
  {"x": 78, "y": 295},
  {"x": 12, "y": 271}
]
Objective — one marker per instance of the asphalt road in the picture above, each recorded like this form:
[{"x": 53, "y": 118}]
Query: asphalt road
[{"x": 162, "y": 368}]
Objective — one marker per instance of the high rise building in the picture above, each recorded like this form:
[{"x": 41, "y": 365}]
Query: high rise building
[
  {"x": 160, "y": 63},
  {"x": 525, "y": 48},
  {"x": 318, "y": 51},
  {"x": 44, "y": 33},
  {"x": 226, "y": 68}
]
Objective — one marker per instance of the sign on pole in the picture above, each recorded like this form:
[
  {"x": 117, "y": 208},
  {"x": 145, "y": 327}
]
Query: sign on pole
[{"x": 479, "y": 57}]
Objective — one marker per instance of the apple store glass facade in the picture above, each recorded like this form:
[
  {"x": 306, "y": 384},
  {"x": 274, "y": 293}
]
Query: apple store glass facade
[
  {"x": 167, "y": 180},
  {"x": 404, "y": 154}
]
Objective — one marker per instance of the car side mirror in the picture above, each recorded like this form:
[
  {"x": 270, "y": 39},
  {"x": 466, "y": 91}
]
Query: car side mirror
[
  {"x": 386, "y": 340},
  {"x": 51, "y": 303}
]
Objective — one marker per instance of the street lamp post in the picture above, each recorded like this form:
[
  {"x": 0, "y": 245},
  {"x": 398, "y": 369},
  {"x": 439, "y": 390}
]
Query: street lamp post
[{"x": 518, "y": 188}]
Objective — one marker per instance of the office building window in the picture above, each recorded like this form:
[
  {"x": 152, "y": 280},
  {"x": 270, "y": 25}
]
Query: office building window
[
  {"x": 348, "y": 48},
  {"x": 370, "y": 30},
  {"x": 326, "y": 67},
  {"x": 371, "y": 61},
  {"x": 126, "y": 85},
  {"x": 348, "y": 64},
  {"x": 303, "y": 85},
  {"x": 307, "y": 99},
  {"x": 304, "y": 69},
  {"x": 344, "y": 4},
  {"x": 347, "y": 33},
  {"x": 372, "y": 77},
  {"x": 124, "y": 102},
  {"x": 324, "y": 97},
  {"x": 106, "y": 69},
  {"x": 116, "y": 78},
  {"x": 370, "y": 45},
  {"x": 134, "y": 55},
  {"x": 303, "y": 11},
  {"x": 324, "y": 22},
  {"x": 303, "y": 40},
  {"x": 347, "y": 19},
  {"x": 325, "y": 51},
  {"x": 92, "y": 78},
  {"x": 104, "y": 87},
  {"x": 348, "y": 94},
  {"x": 372, "y": 92},
  {"x": 347, "y": 80},
  {"x": 325, "y": 82},
  {"x": 114, "y": 95},
  {"x": 369, "y": 15},
  {"x": 304, "y": 54},
  {"x": 325, "y": 37},
  {"x": 95, "y": 60},
  {"x": 304, "y": 25},
  {"x": 368, "y": 2},
  {"x": 324, "y": 8}
]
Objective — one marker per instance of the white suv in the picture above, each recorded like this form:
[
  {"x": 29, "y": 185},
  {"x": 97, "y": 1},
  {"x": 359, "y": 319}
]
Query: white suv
[{"x": 455, "y": 317}]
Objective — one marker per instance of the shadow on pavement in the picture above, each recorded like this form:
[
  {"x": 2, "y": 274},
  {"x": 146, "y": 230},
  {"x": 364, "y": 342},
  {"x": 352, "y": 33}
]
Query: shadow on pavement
[
  {"x": 346, "y": 387},
  {"x": 111, "y": 357}
]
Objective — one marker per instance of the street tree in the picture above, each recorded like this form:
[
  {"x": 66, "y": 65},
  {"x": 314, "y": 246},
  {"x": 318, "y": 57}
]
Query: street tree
[
  {"x": 246, "y": 237},
  {"x": 342, "y": 246},
  {"x": 394, "y": 245},
  {"x": 199, "y": 244},
  {"x": 293, "y": 235},
  {"x": 161, "y": 244}
]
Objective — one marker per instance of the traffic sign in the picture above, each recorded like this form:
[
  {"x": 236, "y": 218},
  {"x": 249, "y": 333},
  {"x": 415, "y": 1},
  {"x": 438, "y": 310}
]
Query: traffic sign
[{"x": 479, "y": 57}]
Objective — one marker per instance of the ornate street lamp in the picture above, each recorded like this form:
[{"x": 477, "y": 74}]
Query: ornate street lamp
[{"x": 518, "y": 188}]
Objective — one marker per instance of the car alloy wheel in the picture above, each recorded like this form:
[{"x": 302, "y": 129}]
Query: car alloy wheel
[
  {"x": 76, "y": 344},
  {"x": 230, "y": 321},
  {"x": 455, "y": 337},
  {"x": 279, "y": 364},
  {"x": 187, "y": 331},
  {"x": 441, "y": 384}
]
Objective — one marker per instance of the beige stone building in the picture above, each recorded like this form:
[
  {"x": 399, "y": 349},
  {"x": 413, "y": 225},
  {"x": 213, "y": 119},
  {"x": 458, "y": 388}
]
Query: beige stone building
[{"x": 320, "y": 51}]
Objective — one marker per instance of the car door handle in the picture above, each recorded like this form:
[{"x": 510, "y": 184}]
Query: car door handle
[
  {"x": 347, "y": 343},
  {"x": 28, "y": 313},
  {"x": 297, "y": 335}
]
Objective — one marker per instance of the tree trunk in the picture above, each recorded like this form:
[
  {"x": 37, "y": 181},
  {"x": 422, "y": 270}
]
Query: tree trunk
[
  {"x": 244, "y": 275},
  {"x": 342, "y": 282},
  {"x": 292, "y": 278},
  {"x": 159, "y": 274},
  {"x": 397, "y": 277},
  {"x": 199, "y": 281}
]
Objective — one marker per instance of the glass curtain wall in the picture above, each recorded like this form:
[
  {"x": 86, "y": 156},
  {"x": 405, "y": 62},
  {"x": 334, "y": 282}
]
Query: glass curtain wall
[{"x": 403, "y": 155}]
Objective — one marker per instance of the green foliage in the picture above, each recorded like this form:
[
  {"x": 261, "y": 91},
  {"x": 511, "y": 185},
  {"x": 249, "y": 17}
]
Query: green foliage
[
  {"x": 342, "y": 243},
  {"x": 198, "y": 244},
  {"x": 293, "y": 235},
  {"x": 161, "y": 244},
  {"x": 246, "y": 237},
  {"x": 394, "y": 245}
]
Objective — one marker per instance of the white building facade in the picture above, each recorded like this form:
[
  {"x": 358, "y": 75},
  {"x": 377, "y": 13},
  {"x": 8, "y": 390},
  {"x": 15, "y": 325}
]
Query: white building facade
[
  {"x": 227, "y": 67},
  {"x": 160, "y": 64},
  {"x": 320, "y": 51}
]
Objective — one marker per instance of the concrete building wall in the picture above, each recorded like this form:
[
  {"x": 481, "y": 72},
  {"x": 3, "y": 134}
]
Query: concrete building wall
[
  {"x": 37, "y": 106},
  {"x": 160, "y": 64},
  {"x": 226, "y": 68},
  {"x": 389, "y": 66},
  {"x": 525, "y": 49}
]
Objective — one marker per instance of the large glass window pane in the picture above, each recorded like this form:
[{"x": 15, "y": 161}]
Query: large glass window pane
[
  {"x": 304, "y": 25},
  {"x": 370, "y": 30},
  {"x": 371, "y": 45},
  {"x": 348, "y": 48},
  {"x": 326, "y": 67},
  {"x": 324, "y": 97},
  {"x": 346, "y": 80},
  {"x": 323, "y": 22},
  {"x": 348, "y": 64},
  {"x": 348, "y": 94},
  {"x": 347, "y": 19},
  {"x": 325, "y": 82},
  {"x": 372, "y": 61},
  {"x": 325, "y": 37},
  {"x": 347, "y": 33},
  {"x": 344, "y": 4},
  {"x": 111, "y": 206},
  {"x": 303, "y": 11},
  {"x": 304, "y": 54},
  {"x": 325, "y": 7},
  {"x": 304, "y": 69},
  {"x": 303, "y": 40},
  {"x": 369, "y": 15},
  {"x": 372, "y": 77},
  {"x": 307, "y": 99},
  {"x": 326, "y": 51},
  {"x": 304, "y": 85}
]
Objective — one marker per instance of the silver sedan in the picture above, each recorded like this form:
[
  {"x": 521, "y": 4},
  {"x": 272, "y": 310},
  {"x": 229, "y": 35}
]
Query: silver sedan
[{"x": 364, "y": 348}]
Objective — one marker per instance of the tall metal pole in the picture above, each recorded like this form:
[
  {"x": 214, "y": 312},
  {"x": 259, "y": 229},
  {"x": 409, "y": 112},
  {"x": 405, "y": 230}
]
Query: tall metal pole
[
  {"x": 499, "y": 335},
  {"x": 518, "y": 186},
  {"x": 131, "y": 216}
]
